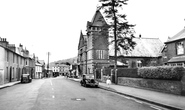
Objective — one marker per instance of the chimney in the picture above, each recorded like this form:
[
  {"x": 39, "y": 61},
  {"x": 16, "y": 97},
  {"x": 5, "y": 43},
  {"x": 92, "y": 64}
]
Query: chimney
[
  {"x": 3, "y": 42},
  {"x": 12, "y": 47},
  {"x": 26, "y": 52},
  {"x": 20, "y": 45}
]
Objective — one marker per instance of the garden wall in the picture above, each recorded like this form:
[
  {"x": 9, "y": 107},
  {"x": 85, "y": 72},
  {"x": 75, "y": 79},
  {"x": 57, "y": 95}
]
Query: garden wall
[
  {"x": 174, "y": 87},
  {"x": 162, "y": 78}
]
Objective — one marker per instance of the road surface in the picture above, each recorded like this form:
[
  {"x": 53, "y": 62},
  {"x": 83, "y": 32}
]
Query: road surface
[{"x": 64, "y": 94}]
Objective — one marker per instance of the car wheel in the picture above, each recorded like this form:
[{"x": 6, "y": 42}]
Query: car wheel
[
  {"x": 85, "y": 85},
  {"x": 96, "y": 86}
]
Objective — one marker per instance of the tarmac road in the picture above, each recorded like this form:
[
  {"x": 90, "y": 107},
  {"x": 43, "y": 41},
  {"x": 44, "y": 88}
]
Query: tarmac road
[{"x": 63, "y": 94}]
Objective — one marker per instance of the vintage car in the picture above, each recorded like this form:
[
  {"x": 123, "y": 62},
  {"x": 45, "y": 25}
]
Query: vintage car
[
  {"x": 26, "y": 78},
  {"x": 88, "y": 80}
]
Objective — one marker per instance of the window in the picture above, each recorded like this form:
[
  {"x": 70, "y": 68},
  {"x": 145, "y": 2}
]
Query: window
[
  {"x": 180, "y": 64},
  {"x": 6, "y": 72},
  {"x": 139, "y": 63},
  {"x": 100, "y": 54},
  {"x": 12, "y": 72},
  {"x": 16, "y": 73},
  {"x": 20, "y": 60},
  {"x": 7, "y": 57},
  {"x": 180, "y": 48},
  {"x": 13, "y": 58},
  {"x": 17, "y": 60},
  {"x": 173, "y": 64},
  {"x": 177, "y": 64}
]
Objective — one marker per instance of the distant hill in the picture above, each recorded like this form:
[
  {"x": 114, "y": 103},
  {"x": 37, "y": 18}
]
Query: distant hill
[{"x": 64, "y": 61}]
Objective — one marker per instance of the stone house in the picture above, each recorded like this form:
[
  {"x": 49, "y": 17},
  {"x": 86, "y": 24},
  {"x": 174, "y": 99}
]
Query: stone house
[
  {"x": 174, "y": 50},
  {"x": 14, "y": 61},
  {"x": 94, "y": 50},
  {"x": 93, "y": 47}
]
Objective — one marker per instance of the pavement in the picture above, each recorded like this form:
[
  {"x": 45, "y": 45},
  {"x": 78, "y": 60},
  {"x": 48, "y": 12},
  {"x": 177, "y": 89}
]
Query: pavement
[
  {"x": 170, "y": 101},
  {"x": 9, "y": 84}
]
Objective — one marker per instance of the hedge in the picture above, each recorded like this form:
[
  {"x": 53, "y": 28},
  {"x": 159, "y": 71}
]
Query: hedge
[
  {"x": 128, "y": 72},
  {"x": 162, "y": 72}
]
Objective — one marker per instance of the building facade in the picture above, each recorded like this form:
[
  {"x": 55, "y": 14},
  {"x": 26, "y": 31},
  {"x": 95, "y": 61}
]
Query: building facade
[
  {"x": 39, "y": 68},
  {"x": 14, "y": 62},
  {"x": 93, "y": 47},
  {"x": 174, "y": 50},
  {"x": 147, "y": 52},
  {"x": 94, "y": 50},
  {"x": 60, "y": 69}
]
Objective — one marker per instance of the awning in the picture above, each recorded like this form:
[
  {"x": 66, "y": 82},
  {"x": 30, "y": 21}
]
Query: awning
[{"x": 177, "y": 59}]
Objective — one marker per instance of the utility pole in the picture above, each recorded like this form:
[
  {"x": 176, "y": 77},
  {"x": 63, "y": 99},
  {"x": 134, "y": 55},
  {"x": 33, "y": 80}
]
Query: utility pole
[{"x": 48, "y": 63}]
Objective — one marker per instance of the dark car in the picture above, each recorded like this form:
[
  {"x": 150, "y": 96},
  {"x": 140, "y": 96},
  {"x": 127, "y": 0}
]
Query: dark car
[
  {"x": 88, "y": 80},
  {"x": 26, "y": 78}
]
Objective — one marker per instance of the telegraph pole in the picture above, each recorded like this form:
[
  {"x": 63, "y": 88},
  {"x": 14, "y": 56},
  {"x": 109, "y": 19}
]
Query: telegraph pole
[{"x": 48, "y": 63}]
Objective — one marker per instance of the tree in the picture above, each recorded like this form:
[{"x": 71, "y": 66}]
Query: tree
[{"x": 122, "y": 30}]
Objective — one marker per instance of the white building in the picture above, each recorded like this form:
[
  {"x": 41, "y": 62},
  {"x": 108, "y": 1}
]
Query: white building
[{"x": 38, "y": 70}]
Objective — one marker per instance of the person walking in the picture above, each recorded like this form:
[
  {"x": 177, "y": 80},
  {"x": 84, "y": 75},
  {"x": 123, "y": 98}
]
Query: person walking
[{"x": 108, "y": 81}]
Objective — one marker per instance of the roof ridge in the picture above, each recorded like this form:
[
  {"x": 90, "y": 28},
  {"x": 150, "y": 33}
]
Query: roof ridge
[
  {"x": 176, "y": 36},
  {"x": 147, "y": 38}
]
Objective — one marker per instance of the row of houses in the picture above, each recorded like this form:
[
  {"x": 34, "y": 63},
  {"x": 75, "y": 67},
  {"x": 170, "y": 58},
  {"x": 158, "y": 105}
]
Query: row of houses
[
  {"x": 60, "y": 69},
  {"x": 15, "y": 61},
  {"x": 94, "y": 50}
]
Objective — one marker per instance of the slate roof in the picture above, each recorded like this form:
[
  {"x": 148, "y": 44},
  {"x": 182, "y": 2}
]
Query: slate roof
[
  {"x": 177, "y": 59},
  {"x": 82, "y": 40},
  {"x": 178, "y": 36},
  {"x": 41, "y": 62},
  {"x": 145, "y": 47}
]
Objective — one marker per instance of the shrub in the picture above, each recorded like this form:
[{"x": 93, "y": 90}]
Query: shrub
[{"x": 162, "y": 72}]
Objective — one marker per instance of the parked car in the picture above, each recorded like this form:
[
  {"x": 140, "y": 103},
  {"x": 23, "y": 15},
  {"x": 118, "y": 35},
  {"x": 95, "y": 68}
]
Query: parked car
[
  {"x": 88, "y": 80},
  {"x": 26, "y": 78}
]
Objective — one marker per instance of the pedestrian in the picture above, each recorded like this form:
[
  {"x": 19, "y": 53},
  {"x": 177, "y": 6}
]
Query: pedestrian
[{"x": 108, "y": 82}]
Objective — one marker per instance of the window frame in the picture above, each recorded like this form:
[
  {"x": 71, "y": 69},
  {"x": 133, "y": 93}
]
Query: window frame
[{"x": 178, "y": 44}]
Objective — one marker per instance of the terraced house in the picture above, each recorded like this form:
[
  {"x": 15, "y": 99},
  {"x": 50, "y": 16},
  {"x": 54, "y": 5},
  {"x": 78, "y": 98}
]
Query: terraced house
[
  {"x": 14, "y": 62},
  {"x": 94, "y": 50}
]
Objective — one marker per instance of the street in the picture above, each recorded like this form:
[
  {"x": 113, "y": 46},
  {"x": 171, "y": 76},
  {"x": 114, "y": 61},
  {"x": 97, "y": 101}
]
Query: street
[{"x": 63, "y": 94}]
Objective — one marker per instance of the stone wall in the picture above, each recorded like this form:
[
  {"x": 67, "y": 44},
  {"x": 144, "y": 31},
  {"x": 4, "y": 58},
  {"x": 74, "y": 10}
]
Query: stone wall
[
  {"x": 183, "y": 85},
  {"x": 167, "y": 86}
]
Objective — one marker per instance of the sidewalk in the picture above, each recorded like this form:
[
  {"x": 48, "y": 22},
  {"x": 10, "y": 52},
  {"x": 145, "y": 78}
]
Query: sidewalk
[
  {"x": 159, "y": 98},
  {"x": 9, "y": 84}
]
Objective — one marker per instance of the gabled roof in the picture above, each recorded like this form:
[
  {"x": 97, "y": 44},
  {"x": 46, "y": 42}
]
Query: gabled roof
[
  {"x": 98, "y": 19},
  {"x": 38, "y": 63},
  {"x": 41, "y": 62},
  {"x": 82, "y": 40},
  {"x": 178, "y": 36},
  {"x": 145, "y": 47}
]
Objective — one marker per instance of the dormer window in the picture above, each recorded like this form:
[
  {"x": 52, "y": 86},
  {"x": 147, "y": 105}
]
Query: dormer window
[{"x": 180, "y": 48}]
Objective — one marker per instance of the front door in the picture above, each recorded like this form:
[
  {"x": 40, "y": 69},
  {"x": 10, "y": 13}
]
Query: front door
[{"x": 10, "y": 78}]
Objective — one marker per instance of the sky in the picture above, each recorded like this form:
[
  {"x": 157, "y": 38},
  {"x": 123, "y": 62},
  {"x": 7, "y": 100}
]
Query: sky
[{"x": 54, "y": 26}]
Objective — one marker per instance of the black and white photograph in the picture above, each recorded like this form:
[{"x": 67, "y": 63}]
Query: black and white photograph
[{"x": 92, "y": 55}]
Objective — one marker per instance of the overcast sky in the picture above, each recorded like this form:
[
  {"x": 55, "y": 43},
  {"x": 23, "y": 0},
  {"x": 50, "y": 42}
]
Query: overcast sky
[{"x": 54, "y": 25}]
